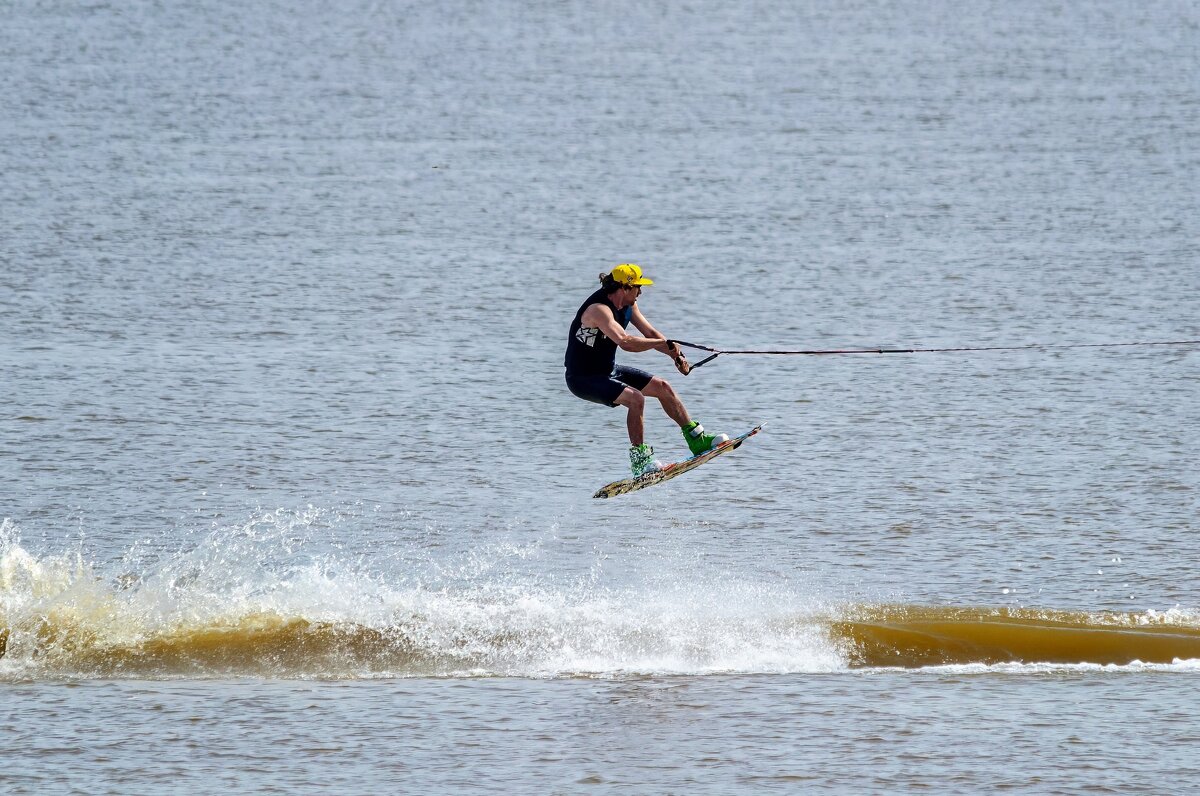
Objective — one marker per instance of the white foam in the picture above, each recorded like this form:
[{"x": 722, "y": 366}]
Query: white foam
[
  {"x": 471, "y": 615},
  {"x": 1178, "y": 665},
  {"x": 490, "y": 611}
]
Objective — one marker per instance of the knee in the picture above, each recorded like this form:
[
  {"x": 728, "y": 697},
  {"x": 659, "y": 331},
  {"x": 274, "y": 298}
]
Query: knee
[
  {"x": 633, "y": 399},
  {"x": 660, "y": 388}
]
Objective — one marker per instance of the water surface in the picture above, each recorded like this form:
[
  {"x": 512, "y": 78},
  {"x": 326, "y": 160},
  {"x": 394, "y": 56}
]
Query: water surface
[{"x": 295, "y": 498}]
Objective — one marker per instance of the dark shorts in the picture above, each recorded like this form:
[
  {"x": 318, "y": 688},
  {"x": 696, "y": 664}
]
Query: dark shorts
[{"x": 607, "y": 389}]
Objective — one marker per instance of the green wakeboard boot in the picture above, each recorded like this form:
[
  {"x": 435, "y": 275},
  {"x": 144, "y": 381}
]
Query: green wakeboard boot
[
  {"x": 699, "y": 442},
  {"x": 642, "y": 461}
]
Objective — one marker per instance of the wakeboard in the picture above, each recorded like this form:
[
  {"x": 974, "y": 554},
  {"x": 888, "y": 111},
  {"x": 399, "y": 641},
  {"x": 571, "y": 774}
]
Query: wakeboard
[{"x": 674, "y": 469}]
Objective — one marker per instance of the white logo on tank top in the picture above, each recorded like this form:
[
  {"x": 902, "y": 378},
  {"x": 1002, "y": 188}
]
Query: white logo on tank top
[{"x": 587, "y": 336}]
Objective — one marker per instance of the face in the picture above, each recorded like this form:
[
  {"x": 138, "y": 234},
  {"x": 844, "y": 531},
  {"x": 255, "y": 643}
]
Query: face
[{"x": 627, "y": 296}]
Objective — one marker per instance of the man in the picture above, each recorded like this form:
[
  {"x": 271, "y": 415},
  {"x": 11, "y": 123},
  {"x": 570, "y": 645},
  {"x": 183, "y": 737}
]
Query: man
[{"x": 593, "y": 374}]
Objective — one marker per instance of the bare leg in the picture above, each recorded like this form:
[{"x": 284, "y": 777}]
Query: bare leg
[
  {"x": 665, "y": 393},
  {"x": 636, "y": 402}
]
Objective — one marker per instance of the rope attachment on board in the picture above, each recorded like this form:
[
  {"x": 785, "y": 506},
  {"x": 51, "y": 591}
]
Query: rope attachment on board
[{"x": 818, "y": 352}]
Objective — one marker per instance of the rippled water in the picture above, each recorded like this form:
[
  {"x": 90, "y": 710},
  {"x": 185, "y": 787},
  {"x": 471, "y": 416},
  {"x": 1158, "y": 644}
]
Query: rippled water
[{"x": 294, "y": 497}]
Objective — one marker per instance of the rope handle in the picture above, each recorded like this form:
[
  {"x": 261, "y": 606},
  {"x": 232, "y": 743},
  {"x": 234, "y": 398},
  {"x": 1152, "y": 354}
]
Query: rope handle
[{"x": 680, "y": 359}]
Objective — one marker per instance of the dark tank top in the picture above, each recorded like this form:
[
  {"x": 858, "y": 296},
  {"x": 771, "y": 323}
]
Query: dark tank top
[{"x": 589, "y": 352}]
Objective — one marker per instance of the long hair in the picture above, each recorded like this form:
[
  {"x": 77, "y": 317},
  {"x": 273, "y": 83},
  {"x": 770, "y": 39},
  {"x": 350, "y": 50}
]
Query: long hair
[{"x": 609, "y": 284}]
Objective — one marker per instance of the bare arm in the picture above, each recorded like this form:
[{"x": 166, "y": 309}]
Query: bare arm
[
  {"x": 670, "y": 349},
  {"x": 599, "y": 316},
  {"x": 644, "y": 326}
]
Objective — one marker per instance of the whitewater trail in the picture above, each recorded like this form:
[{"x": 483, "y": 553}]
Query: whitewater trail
[{"x": 250, "y": 601}]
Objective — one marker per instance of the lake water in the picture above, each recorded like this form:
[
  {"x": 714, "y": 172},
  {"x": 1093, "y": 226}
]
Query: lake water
[{"x": 294, "y": 498}]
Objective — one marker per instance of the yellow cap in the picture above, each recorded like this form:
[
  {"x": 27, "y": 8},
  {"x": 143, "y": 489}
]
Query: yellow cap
[{"x": 629, "y": 275}]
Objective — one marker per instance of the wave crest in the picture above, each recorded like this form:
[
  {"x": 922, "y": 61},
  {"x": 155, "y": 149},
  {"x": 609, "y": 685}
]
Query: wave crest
[{"x": 231, "y": 608}]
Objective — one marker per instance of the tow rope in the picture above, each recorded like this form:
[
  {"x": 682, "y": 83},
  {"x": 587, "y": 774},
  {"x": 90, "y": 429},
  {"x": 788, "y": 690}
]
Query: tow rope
[{"x": 819, "y": 352}]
